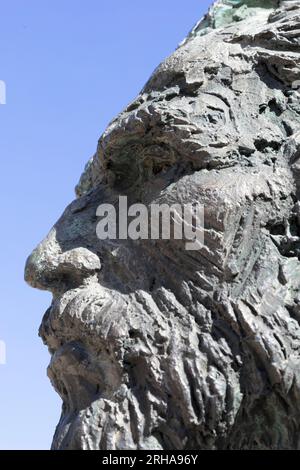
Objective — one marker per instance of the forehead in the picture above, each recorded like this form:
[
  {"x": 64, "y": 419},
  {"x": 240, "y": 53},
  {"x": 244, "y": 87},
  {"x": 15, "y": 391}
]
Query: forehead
[
  {"x": 208, "y": 130},
  {"x": 203, "y": 108}
]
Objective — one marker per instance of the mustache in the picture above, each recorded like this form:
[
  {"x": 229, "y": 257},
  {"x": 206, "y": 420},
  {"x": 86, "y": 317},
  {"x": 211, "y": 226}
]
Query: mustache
[{"x": 87, "y": 313}]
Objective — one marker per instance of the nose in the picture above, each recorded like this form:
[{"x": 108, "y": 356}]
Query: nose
[{"x": 50, "y": 268}]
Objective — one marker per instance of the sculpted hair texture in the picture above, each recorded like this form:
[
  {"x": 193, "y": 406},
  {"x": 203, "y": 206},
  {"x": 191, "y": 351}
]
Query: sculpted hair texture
[{"x": 156, "y": 347}]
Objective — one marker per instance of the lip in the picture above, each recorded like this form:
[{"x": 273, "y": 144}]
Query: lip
[
  {"x": 75, "y": 374},
  {"x": 81, "y": 376}
]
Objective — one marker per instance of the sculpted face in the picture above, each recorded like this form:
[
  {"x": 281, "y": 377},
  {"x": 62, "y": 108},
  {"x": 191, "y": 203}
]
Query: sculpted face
[{"x": 156, "y": 347}]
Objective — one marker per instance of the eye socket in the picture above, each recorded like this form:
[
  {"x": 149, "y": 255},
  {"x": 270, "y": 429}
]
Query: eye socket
[
  {"x": 135, "y": 164},
  {"x": 123, "y": 174}
]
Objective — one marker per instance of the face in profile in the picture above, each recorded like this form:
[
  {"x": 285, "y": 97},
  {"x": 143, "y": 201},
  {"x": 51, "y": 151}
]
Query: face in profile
[{"x": 157, "y": 347}]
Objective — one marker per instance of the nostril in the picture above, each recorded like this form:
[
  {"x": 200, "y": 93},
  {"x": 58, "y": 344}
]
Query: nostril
[
  {"x": 78, "y": 264},
  {"x": 79, "y": 259},
  {"x": 59, "y": 270}
]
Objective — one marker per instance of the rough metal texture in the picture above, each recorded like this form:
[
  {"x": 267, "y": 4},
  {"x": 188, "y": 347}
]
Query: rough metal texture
[{"x": 153, "y": 346}]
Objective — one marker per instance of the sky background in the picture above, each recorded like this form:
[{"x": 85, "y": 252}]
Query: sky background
[{"x": 69, "y": 67}]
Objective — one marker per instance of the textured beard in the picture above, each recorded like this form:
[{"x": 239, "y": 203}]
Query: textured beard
[
  {"x": 82, "y": 329},
  {"x": 102, "y": 425},
  {"x": 132, "y": 373}
]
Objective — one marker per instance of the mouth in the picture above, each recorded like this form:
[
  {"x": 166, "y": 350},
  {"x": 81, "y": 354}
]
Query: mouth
[{"x": 76, "y": 375}]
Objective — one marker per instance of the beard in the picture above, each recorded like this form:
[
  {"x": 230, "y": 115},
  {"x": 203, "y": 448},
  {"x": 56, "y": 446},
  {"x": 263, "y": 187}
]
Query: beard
[{"x": 138, "y": 371}]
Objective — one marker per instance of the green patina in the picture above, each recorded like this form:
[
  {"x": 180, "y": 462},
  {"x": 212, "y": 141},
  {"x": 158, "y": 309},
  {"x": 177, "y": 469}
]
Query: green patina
[
  {"x": 228, "y": 11},
  {"x": 225, "y": 12}
]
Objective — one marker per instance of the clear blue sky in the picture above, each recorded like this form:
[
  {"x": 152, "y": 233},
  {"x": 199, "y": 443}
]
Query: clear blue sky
[{"x": 69, "y": 67}]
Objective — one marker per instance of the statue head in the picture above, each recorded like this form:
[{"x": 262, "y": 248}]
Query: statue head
[{"x": 154, "y": 346}]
